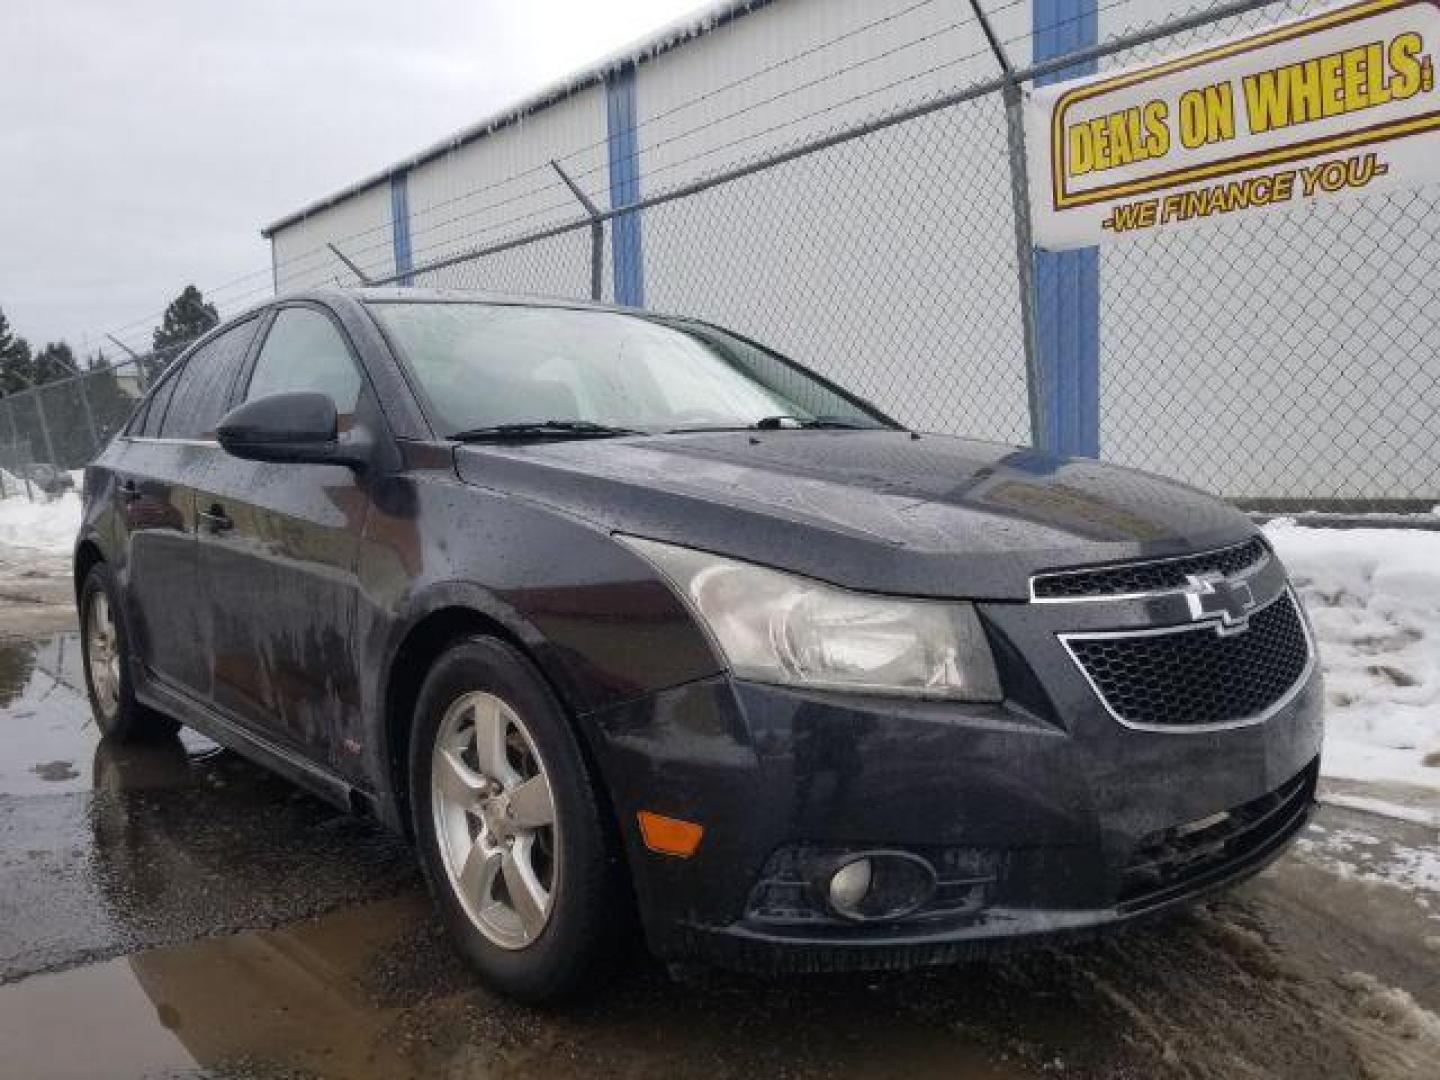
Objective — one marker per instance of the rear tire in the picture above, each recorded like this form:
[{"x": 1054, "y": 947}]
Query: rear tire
[
  {"x": 105, "y": 648},
  {"x": 508, "y": 823}
]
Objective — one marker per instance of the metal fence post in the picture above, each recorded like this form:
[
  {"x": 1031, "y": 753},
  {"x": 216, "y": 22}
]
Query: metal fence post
[
  {"x": 44, "y": 426},
  {"x": 8, "y": 460},
  {"x": 89, "y": 416},
  {"x": 1038, "y": 392},
  {"x": 597, "y": 233},
  {"x": 1040, "y": 397}
]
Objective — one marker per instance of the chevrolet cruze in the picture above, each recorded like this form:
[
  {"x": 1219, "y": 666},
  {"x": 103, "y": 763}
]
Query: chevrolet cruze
[{"x": 618, "y": 614}]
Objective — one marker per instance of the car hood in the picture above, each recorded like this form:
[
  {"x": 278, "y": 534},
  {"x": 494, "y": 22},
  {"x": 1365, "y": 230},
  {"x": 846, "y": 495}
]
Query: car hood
[{"x": 877, "y": 510}]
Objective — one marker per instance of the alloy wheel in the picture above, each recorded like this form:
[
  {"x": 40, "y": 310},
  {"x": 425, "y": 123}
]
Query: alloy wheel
[
  {"x": 102, "y": 653},
  {"x": 495, "y": 820}
]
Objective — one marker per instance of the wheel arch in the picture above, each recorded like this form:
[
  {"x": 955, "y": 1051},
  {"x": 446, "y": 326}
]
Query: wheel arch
[
  {"x": 447, "y": 620},
  {"x": 87, "y": 554}
]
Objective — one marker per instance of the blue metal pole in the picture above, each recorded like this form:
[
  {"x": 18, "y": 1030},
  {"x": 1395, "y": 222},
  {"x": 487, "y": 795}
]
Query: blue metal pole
[
  {"x": 400, "y": 226},
  {"x": 1067, "y": 283},
  {"x": 626, "y": 251}
]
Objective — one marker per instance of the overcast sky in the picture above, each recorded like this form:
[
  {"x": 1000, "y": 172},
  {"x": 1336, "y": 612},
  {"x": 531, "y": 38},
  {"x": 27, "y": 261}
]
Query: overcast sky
[{"x": 145, "y": 142}]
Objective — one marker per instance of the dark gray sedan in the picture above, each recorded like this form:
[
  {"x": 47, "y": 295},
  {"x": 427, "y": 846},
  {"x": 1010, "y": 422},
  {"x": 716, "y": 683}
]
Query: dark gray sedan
[{"x": 621, "y": 615}]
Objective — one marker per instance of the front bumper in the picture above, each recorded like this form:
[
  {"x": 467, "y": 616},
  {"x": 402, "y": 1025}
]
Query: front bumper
[{"x": 1078, "y": 821}]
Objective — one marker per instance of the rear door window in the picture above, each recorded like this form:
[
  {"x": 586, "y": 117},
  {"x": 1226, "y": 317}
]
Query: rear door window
[
  {"x": 202, "y": 391},
  {"x": 155, "y": 410},
  {"x": 136, "y": 424}
]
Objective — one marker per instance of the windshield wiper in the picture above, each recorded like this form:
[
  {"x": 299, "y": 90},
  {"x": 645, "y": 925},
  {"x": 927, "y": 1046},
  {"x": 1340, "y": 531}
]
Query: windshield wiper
[
  {"x": 775, "y": 423},
  {"x": 780, "y": 422},
  {"x": 528, "y": 429}
]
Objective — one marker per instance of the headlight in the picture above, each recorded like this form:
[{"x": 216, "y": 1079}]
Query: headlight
[{"x": 778, "y": 628}]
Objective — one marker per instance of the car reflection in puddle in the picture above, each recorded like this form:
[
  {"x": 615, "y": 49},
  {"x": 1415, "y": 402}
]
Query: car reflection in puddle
[
  {"x": 108, "y": 848},
  {"x": 246, "y": 1002},
  {"x": 48, "y": 739}
]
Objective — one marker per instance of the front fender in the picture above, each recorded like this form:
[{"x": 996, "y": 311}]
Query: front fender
[{"x": 598, "y": 620}]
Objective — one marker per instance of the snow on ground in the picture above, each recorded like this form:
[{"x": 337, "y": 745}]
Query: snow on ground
[
  {"x": 40, "y": 525},
  {"x": 1416, "y": 815},
  {"x": 1374, "y": 598},
  {"x": 1362, "y": 856}
]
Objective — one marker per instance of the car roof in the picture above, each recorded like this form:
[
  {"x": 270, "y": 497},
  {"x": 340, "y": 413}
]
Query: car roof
[
  {"x": 341, "y": 297},
  {"x": 417, "y": 294}
]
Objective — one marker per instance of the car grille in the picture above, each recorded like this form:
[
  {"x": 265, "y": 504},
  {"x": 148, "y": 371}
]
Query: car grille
[
  {"x": 1174, "y": 861},
  {"x": 1161, "y": 575},
  {"x": 1191, "y": 676}
]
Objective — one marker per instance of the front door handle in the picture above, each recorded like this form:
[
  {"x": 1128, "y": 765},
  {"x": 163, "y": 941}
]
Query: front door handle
[{"x": 216, "y": 520}]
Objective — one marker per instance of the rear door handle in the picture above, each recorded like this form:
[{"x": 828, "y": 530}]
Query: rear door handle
[{"x": 216, "y": 520}]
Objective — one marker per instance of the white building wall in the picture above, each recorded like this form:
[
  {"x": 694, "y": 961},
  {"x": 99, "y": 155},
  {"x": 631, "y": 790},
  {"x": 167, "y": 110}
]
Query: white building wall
[
  {"x": 360, "y": 227},
  {"x": 887, "y": 263},
  {"x": 502, "y": 186}
]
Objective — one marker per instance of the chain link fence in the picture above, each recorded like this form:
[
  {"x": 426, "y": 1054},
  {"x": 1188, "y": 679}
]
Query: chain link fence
[
  {"x": 1287, "y": 360},
  {"x": 65, "y": 423},
  {"x": 1284, "y": 360}
]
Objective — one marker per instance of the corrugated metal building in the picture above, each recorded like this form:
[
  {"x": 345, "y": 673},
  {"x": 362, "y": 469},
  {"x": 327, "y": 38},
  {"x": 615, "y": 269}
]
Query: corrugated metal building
[{"x": 888, "y": 263}]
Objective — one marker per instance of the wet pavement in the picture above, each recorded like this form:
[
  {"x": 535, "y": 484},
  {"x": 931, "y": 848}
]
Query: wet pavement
[
  {"x": 36, "y": 591},
  {"x": 171, "y": 910}
]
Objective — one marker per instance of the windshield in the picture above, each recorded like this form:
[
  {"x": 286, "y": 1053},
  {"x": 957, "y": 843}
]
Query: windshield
[{"x": 483, "y": 365}]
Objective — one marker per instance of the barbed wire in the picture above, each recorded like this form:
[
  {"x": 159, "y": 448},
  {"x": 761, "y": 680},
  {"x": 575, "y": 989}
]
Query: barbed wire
[{"x": 697, "y": 99}]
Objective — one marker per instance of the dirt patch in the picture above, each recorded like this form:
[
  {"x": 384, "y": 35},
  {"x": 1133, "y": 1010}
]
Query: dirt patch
[
  {"x": 37, "y": 595},
  {"x": 56, "y": 771}
]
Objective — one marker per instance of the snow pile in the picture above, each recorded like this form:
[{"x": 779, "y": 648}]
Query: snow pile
[
  {"x": 46, "y": 526},
  {"x": 1416, "y": 815},
  {"x": 1374, "y": 598},
  {"x": 1361, "y": 856}
]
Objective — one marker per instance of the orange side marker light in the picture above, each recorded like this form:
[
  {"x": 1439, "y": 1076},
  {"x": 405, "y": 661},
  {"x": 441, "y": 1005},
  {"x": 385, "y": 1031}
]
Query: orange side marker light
[{"x": 670, "y": 836}]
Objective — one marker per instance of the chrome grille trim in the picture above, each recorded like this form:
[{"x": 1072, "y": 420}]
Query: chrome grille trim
[
  {"x": 1147, "y": 594},
  {"x": 1153, "y": 631}
]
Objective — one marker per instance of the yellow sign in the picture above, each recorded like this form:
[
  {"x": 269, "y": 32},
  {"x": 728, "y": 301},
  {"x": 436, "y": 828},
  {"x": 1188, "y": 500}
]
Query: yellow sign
[{"x": 1332, "y": 104}]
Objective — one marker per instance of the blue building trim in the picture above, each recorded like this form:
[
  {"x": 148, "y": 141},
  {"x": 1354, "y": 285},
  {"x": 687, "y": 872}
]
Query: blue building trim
[
  {"x": 626, "y": 251},
  {"x": 1067, "y": 283},
  {"x": 400, "y": 225}
]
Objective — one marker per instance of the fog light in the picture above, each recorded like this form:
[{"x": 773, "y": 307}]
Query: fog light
[
  {"x": 880, "y": 885},
  {"x": 849, "y": 886}
]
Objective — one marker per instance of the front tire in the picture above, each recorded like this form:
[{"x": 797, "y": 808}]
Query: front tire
[
  {"x": 105, "y": 647},
  {"x": 509, "y": 827}
]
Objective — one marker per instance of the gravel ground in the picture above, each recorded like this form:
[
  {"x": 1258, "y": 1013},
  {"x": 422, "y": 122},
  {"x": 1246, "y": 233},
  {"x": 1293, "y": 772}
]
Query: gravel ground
[{"x": 36, "y": 593}]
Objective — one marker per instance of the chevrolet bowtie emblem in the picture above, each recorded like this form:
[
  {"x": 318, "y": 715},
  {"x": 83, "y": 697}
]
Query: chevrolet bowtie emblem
[{"x": 1214, "y": 598}]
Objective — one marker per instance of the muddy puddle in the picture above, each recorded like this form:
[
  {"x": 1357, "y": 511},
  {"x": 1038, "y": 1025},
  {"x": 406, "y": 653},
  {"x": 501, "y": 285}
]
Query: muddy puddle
[
  {"x": 313, "y": 999},
  {"x": 251, "y": 1003},
  {"x": 107, "y": 848},
  {"x": 48, "y": 741},
  {"x": 373, "y": 991}
]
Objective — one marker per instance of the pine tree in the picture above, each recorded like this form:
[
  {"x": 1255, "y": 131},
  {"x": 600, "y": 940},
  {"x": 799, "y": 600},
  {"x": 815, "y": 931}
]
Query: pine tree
[
  {"x": 111, "y": 403},
  {"x": 187, "y": 317},
  {"x": 16, "y": 367},
  {"x": 55, "y": 361}
]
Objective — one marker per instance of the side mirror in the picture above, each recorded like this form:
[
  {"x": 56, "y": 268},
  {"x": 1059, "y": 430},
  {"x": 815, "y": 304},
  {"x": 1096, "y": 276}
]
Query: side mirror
[{"x": 298, "y": 428}]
